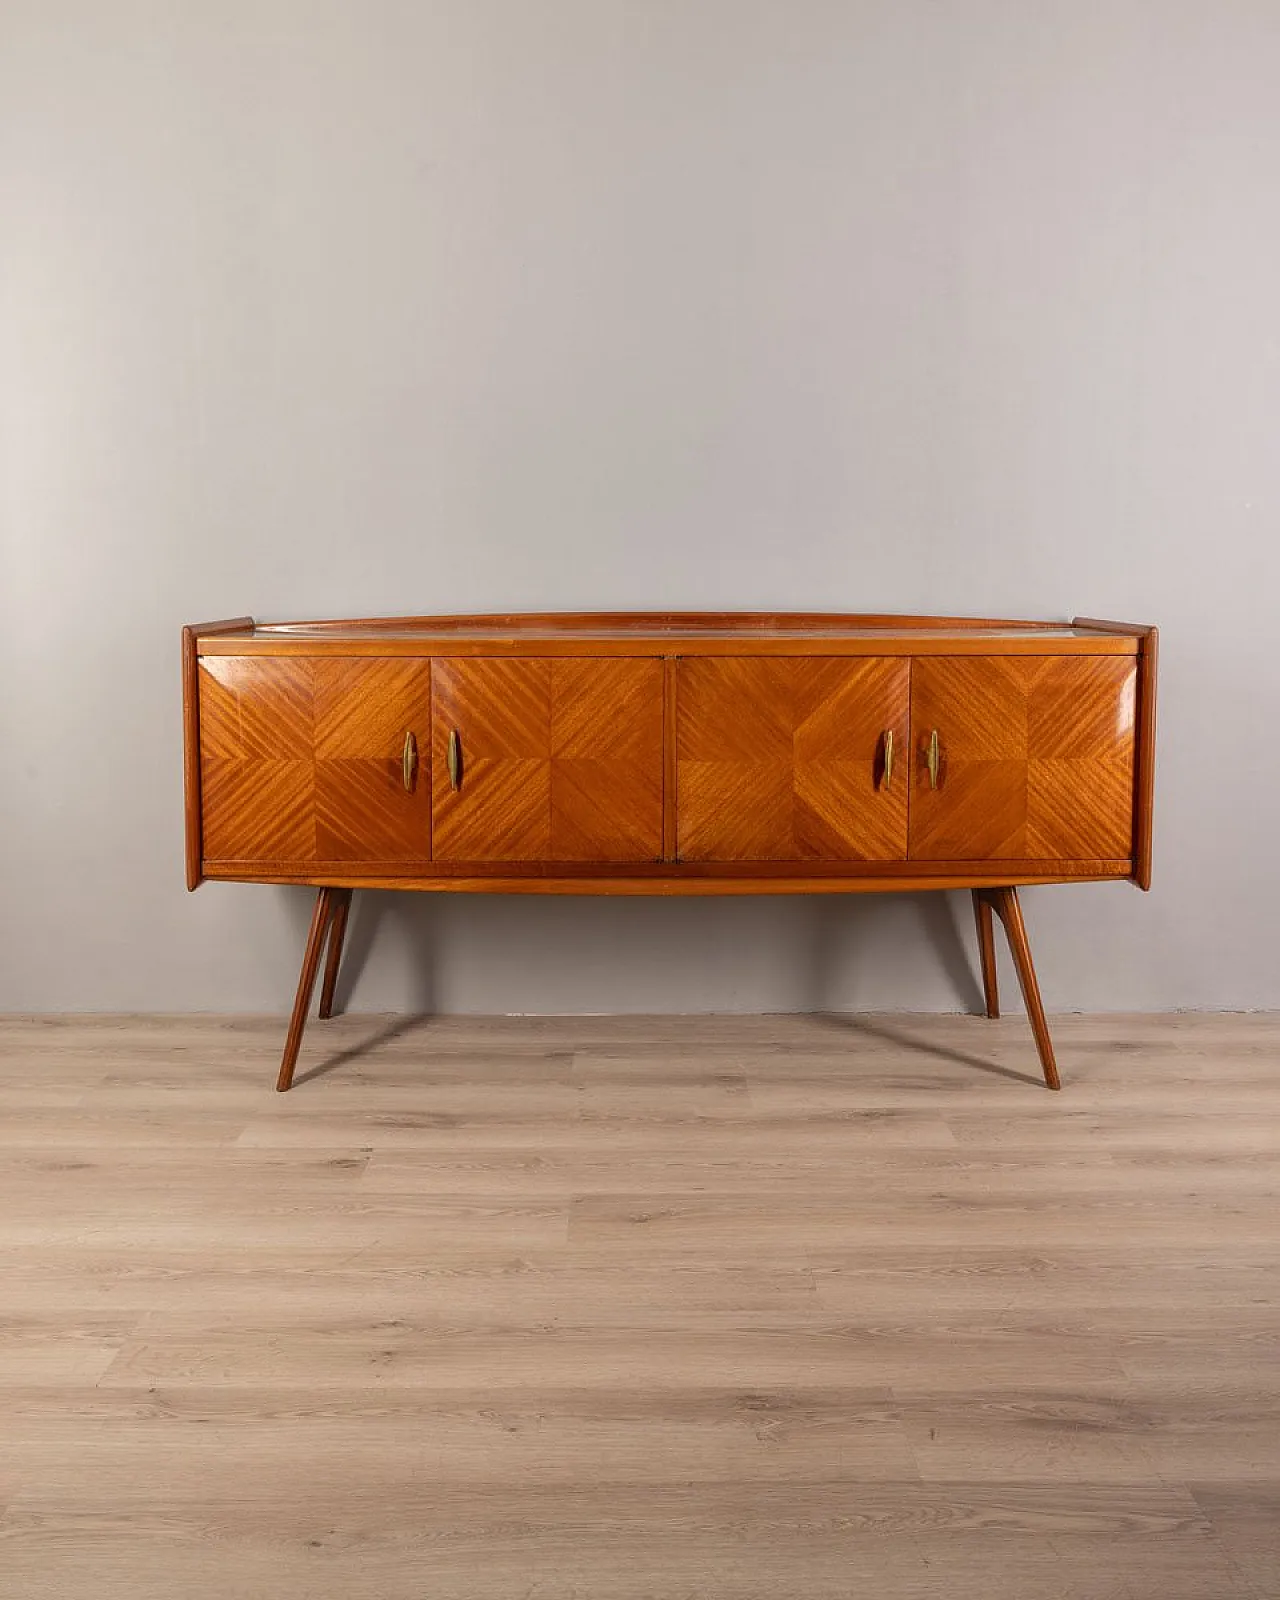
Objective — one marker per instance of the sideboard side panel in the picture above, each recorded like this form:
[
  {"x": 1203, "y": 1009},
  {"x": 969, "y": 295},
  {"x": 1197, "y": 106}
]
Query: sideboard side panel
[
  {"x": 1145, "y": 785},
  {"x": 191, "y": 789},
  {"x": 193, "y": 820}
]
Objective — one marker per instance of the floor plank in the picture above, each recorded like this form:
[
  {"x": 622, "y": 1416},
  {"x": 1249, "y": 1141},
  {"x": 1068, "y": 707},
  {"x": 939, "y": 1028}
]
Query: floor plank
[{"x": 714, "y": 1308}]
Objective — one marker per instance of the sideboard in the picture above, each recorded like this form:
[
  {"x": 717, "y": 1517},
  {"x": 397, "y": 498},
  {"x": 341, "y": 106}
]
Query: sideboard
[{"x": 669, "y": 754}]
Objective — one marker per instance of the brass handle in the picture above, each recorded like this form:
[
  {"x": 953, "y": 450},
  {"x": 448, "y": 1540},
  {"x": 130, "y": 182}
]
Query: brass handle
[
  {"x": 932, "y": 759},
  {"x": 409, "y": 761},
  {"x": 455, "y": 759},
  {"x": 888, "y": 758}
]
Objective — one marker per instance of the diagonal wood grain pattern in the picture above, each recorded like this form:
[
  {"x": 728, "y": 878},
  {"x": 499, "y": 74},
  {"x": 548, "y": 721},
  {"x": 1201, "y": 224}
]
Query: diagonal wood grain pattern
[
  {"x": 780, "y": 759},
  {"x": 561, "y": 759},
  {"x": 776, "y": 759},
  {"x": 253, "y": 709},
  {"x": 1037, "y": 757},
  {"x": 301, "y": 759},
  {"x": 258, "y": 810},
  {"x": 650, "y": 1308}
]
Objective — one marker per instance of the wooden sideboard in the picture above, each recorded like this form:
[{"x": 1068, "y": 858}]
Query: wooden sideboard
[{"x": 669, "y": 754}]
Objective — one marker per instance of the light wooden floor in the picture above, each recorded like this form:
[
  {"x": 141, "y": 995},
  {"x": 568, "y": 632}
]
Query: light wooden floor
[{"x": 678, "y": 1308}]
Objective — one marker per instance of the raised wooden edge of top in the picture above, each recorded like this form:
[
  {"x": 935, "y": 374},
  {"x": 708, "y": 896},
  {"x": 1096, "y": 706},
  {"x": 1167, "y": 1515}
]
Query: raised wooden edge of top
[
  {"x": 191, "y": 635},
  {"x": 648, "y": 645},
  {"x": 613, "y": 633},
  {"x": 762, "y": 621},
  {"x": 1147, "y": 638},
  {"x": 640, "y": 621}
]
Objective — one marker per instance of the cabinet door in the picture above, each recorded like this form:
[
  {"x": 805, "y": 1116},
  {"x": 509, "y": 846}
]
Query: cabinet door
[
  {"x": 1034, "y": 758},
  {"x": 782, "y": 758},
  {"x": 302, "y": 760},
  {"x": 558, "y": 759}
]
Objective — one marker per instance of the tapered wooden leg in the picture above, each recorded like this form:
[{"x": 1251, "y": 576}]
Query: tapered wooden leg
[
  {"x": 306, "y": 984},
  {"x": 337, "y": 933},
  {"x": 1004, "y": 902},
  {"x": 987, "y": 951}
]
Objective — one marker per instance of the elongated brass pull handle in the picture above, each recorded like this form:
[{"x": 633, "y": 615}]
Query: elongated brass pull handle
[
  {"x": 888, "y": 758},
  {"x": 455, "y": 759},
  {"x": 932, "y": 759},
  {"x": 409, "y": 761}
]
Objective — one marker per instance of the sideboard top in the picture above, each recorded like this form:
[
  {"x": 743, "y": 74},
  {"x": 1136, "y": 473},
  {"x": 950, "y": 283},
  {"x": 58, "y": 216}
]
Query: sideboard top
[{"x": 670, "y": 632}]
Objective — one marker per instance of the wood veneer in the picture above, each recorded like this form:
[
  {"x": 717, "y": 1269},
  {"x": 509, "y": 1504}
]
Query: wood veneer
[
  {"x": 301, "y": 759},
  {"x": 1036, "y": 757},
  {"x": 783, "y": 758},
  {"x": 205, "y": 632},
  {"x": 560, "y": 760},
  {"x": 1145, "y": 776},
  {"x": 669, "y": 753}
]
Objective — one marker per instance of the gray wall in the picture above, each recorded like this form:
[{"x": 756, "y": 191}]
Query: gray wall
[{"x": 322, "y": 309}]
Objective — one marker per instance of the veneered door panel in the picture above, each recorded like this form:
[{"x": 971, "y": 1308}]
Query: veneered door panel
[
  {"x": 560, "y": 759},
  {"x": 364, "y": 709},
  {"x": 1075, "y": 815},
  {"x": 257, "y": 784},
  {"x": 256, "y": 708},
  {"x": 782, "y": 758},
  {"x": 302, "y": 759},
  {"x": 257, "y": 810},
  {"x": 1035, "y": 758}
]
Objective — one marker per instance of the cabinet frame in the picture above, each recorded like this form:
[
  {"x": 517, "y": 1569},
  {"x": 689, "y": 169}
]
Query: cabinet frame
[
  {"x": 669, "y": 638},
  {"x": 672, "y": 637}
]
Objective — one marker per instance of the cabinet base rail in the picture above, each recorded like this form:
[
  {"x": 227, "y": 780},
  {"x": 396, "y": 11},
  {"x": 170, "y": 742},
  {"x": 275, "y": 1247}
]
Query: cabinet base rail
[{"x": 329, "y": 927}]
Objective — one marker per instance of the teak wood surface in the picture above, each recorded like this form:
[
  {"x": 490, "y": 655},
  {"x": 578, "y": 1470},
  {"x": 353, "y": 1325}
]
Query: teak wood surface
[
  {"x": 302, "y": 759},
  {"x": 560, "y": 760},
  {"x": 642, "y": 754},
  {"x": 1036, "y": 757},
  {"x": 667, "y": 753},
  {"x": 783, "y": 758},
  {"x": 644, "y": 1308}
]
